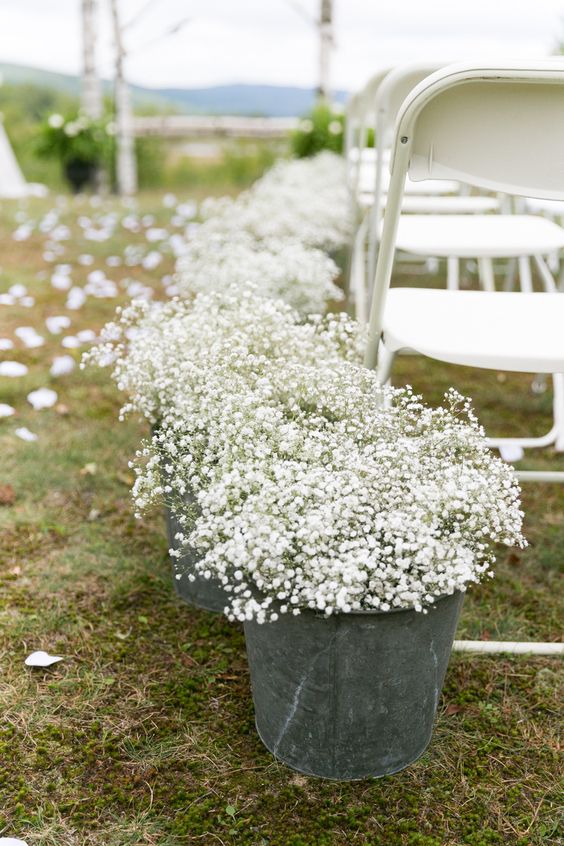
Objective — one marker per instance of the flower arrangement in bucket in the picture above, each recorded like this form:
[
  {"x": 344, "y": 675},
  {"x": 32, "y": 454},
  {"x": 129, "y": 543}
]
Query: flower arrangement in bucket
[
  {"x": 343, "y": 522},
  {"x": 180, "y": 363},
  {"x": 82, "y": 145}
]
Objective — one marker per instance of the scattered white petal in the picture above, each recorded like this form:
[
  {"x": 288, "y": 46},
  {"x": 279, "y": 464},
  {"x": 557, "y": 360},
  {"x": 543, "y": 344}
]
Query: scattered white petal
[
  {"x": 131, "y": 223},
  {"x": 147, "y": 220},
  {"x": 27, "y": 302},
  {"x": 155, "y": 234},
  {"x": 511, "y": 452},
  {"x": 76, "y": 299},
  {"x": 61, "y": 281},
  {"x": 136, "y": 290},
  {"x": 187, "y": 209},
  {"x": 70, "y": 342},
  {"x": 62, "y": 364},
  {"x": 12, "y": 841},
  {"x": 23, "y": 232},
  {"x": 86, "y": 335},
  {"x": 29, "y": 337},
  {"x": 6, "y": 410},
  {"x": 114, "y": 261},
  {"x": 61, "y": 233},
  {"x": 152, "y": 260},
  {"x": 6, "y": 344},
  {"x": 169, "y": 200},
  {"x": 85, "y": 259},
  {"x": 7, "y": 299},
  {"x": 25, "y": 434},
  {"x": 17, "y": 290},
  {"x": 41, "y": 659},
  {"x": 12, "y": 368},
  {"x": 57, "y": 323},
  {"x": 42, "y": 398}
]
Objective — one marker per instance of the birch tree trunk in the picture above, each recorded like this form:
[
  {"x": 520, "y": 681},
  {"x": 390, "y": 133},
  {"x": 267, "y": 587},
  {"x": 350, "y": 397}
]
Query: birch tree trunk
[
  {"x": 126, "y": 165},
  {"x": 91, "y": 96},
  {"x": 325, "y": 47}
]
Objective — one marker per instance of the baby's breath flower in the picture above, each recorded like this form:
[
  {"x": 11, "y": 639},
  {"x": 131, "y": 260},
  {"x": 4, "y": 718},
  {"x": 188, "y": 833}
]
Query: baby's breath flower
[{"x": 315, "y": 487}]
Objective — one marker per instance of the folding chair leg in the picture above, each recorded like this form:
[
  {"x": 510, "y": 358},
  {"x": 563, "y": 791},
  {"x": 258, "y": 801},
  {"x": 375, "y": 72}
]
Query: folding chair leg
[
  {"x": 558, "y": 410},
  {"x": 525, "y": 275},
  {"x": 485, "y": 267},
  {"x": 561, "y": 279},
  {"x": 385, "y": 363},
  {"x": 453, "y": 280},
  {"x": 545, "y": 274},
  {"x": 510, "y": 273},
  {"x": 358, "y": 276}
]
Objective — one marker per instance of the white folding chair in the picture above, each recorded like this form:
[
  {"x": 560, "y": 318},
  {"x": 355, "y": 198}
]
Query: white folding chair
[
  {"x": 514, "y": 145},
  {"x": 501, "y": 129},
  {"x": 360, "y": 119},
  {"x": 381, "y": 103}
]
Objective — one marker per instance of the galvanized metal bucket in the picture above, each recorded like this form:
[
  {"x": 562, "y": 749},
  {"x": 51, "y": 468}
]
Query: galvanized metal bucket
[
  {"x": 352, "y": 695},
  {"x": 201, "y": 592}
]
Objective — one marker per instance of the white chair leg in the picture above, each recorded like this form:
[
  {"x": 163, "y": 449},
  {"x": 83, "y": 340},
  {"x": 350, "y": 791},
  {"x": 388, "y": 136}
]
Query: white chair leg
[
  {"x": 358, "y": 276},
  {"x": 510, "y": 274},
  {"x": 453, "y": 281},
  {"x": 385, "y": 363},
  {"x": 558, "y": 406},
  {"x": 485, "y": 267},
  {"x": 548, "y": 282},
  {"x": 561, "y": 278},
  {"x": 525, "y": 275}
]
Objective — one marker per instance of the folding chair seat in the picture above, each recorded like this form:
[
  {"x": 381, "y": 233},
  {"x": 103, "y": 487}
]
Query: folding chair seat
[
  {"x": 483, "y": 237},
  {"x": 500, "y": 129}
]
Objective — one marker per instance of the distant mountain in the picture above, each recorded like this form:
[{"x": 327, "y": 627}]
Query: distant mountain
[
  {"x": 245, "y": 99},
  {"x": 238, "y": 99}
]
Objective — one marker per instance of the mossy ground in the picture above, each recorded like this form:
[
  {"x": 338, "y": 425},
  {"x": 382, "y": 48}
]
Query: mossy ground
[{"x": 144, "y": 734}]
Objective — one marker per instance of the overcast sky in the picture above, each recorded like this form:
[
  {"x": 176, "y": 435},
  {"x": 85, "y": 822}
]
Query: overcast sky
[{"x": 269, "y": 41}]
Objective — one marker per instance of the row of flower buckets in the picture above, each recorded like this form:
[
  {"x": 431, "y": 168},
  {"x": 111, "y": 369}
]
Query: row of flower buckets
[{"x": 344, "y": 697}]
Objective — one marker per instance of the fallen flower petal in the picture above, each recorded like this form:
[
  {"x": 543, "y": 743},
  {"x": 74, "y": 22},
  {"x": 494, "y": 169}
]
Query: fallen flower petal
[
  {"x": 25, "y": 434},
  {"x": 12, "y": 368},
  {"x": 42, "y": 398},
  {"x": 41, "y": 659}
]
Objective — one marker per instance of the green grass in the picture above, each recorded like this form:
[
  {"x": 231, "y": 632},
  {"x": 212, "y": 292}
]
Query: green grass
[{"x": 144, "y": 734}]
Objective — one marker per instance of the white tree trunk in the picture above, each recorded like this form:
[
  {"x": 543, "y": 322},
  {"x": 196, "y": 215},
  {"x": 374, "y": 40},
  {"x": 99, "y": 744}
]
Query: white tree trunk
[
  {"x": 325, "y": 47},
  {"x": 91, "y": 99},
  {"x": 126, "y": 166}
]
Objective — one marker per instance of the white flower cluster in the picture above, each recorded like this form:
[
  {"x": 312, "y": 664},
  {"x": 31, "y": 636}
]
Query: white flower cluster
[
  {"x": 304, "y": 200},
  {"x": 304, "y": 277},
  {"x": 162, "y": 352},
  {"x": 316, "y": 488}
]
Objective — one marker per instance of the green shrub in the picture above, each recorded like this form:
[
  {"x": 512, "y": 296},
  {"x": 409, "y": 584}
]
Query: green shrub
[{"x": 322, "y": 129}]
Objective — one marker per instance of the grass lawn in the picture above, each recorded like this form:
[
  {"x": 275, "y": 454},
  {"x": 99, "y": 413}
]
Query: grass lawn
[{"x": 145, "y": 734}]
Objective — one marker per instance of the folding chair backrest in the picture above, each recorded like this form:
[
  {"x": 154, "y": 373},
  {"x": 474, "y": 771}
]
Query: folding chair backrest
[
  {"x": 394, "y": 88},
  {"x": 360, "y": 117},
  {"x": 499, "y": 128}
]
